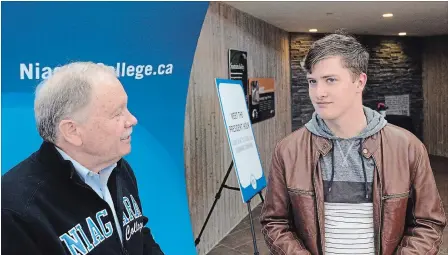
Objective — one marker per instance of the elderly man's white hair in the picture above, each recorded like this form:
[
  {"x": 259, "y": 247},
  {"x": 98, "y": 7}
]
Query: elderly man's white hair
[{"x": 65, "y": 94}]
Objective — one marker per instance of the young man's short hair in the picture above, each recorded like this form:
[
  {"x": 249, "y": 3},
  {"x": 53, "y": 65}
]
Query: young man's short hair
[{"x": 354, "y": 55}]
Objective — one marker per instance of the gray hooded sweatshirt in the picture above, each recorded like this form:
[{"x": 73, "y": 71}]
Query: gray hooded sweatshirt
[{"x": 348, "y": 178}]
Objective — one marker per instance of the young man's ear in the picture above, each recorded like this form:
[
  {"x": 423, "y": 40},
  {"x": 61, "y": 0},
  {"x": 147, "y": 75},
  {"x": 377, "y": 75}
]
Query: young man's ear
[
  {"x": 361, "y": 82},
  {"x": 69, "y": 131}
]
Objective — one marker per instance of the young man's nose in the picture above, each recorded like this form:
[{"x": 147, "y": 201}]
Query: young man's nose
[{"x": 321, "y": 91}]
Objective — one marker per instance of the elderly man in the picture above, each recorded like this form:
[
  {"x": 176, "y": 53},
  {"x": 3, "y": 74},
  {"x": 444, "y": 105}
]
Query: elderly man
[{"x": 76, "y": 194}]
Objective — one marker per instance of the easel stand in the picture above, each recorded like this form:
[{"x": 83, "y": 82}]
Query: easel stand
[{"x": 217, "y": 197}]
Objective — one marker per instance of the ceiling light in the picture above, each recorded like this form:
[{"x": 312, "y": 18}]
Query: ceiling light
[
  {"x": 388, "y": 15},
  {"x": 402, "y": 33},
  {"x": 313, "y": 30}
]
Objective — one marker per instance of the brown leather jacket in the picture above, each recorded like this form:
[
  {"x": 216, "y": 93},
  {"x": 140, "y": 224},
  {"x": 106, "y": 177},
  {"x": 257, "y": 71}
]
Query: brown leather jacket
[{"x": 408, "y": 212}]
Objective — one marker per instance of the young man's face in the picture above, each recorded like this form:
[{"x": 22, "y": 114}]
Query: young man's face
[{"x": 332, "y": 89}]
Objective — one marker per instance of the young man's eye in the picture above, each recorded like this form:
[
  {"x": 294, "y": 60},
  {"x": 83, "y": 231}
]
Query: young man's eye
[
  {"x": 331, "y": 80},
  {"x": 311, "y": 82}
]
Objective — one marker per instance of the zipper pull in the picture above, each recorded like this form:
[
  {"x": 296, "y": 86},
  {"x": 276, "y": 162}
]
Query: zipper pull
[{"x": 125, "y": 252}]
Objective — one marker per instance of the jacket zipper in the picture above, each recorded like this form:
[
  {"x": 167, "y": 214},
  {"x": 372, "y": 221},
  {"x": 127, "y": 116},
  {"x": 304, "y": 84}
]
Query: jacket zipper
[
  {"x": 381, "y": 207},
  {"x": 317, "y": 204},
  {"x": 123, "y": 250}
]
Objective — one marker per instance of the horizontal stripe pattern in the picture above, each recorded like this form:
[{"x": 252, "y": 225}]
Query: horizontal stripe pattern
[{"x": 349, "y": 228}]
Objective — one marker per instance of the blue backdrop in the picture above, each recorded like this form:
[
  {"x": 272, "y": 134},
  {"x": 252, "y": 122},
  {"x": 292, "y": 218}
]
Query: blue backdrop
[{"x": 158, "y": 39}]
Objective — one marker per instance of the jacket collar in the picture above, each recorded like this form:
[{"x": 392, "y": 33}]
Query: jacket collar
[
  {"x": 53, "y": 160},
  {"x": 369, "y": 147}
]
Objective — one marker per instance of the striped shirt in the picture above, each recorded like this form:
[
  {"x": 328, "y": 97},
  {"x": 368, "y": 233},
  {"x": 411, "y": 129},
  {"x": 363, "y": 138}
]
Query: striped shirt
[{"x": 349, "y": 228}]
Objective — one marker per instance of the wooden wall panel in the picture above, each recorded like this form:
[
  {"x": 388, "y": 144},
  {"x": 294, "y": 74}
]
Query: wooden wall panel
[
  {"x": 207, "y": 154},
  {"x": 435, "y": 90}
]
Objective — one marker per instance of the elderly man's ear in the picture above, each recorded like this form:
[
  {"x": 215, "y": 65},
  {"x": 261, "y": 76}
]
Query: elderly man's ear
[{"x": 70, "y": 132}]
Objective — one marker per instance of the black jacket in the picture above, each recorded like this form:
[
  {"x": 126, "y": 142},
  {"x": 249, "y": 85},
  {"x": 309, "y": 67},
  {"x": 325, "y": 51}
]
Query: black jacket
[{"x": 48, "y": 209}]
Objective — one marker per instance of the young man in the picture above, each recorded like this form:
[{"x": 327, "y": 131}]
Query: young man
[
  {"x": 349, "y": 182},
  {"x": 76, "y": 194}
]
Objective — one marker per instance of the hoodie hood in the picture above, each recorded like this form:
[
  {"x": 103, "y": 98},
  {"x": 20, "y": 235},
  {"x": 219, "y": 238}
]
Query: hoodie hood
[
  {"x": 375, "y": 122},
  {"x": 345, "y": 165}
]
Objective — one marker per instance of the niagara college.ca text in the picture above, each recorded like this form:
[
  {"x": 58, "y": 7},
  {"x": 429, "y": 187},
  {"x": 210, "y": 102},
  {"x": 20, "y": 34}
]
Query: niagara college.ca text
[{"x": 35, "y": 71}]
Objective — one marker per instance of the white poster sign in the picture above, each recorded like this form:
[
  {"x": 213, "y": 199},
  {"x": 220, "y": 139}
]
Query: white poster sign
[{"x": 241, "y": 137}]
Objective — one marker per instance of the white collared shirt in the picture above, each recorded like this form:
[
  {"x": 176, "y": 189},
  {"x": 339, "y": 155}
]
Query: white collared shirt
[{"x": 98, "y": 182}]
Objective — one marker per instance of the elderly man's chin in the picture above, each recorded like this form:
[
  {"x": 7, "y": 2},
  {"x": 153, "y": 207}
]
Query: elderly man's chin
[{"x": 125, "y": 146}]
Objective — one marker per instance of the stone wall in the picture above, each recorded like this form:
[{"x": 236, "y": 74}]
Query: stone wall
[{"x": 395, "y": 68}]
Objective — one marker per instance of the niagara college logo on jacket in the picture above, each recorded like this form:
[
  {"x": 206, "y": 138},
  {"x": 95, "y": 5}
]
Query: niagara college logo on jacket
[
  {"x": 76, "y": 239},
  {"x": 72, "y": 239},
  {"x": 48, "y": 209},
  {"x": 132, "y": 214}
]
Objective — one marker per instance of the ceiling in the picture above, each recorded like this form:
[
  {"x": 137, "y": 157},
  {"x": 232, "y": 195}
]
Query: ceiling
[{"x": 415, "y": 18}]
